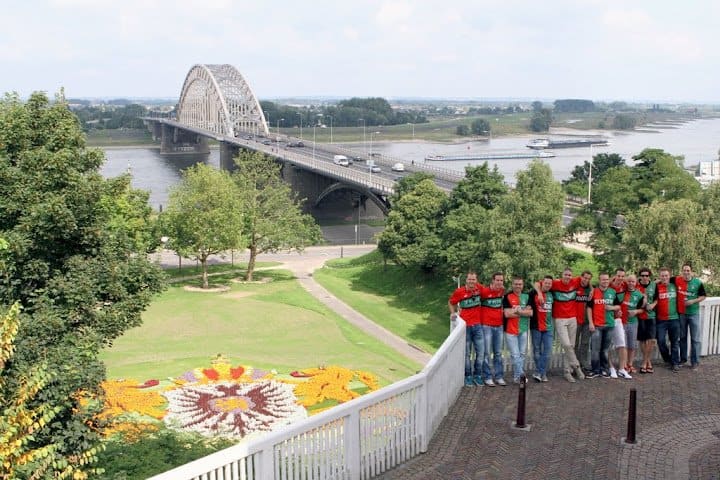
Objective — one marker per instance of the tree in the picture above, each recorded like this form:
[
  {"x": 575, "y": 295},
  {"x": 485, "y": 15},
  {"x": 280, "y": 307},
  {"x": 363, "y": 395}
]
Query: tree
[
  {"x": 462, "y": 130},
  {"x": 204, "y": 215},
  {"x": 601, "y": 163},
  {"x": 411, "y": 236},
  {"x": 572, "y": 105},
  {"x": 480, "y": 187},
  {"x": 78, "y": 285},
  {"x": 273, "y": 219},
  {"x": 480, "y": 126},
  {"x": 537, "y": 106},
  {"x": 540, "y": 121},
  {"x": 666, "y": 233},
  {"x": 624, "y": 122},
  {"x": 530, "y": 231}
]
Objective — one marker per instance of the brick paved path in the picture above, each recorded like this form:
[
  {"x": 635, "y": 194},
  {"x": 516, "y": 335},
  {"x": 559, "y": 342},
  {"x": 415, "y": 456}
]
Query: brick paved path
[{"x": 576, "y": 431}]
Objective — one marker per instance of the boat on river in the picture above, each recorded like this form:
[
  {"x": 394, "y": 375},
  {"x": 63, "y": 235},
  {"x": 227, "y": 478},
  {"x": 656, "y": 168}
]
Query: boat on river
[
  {"x": 543, "y": 143},
  {"x": 488, "y": 156}
]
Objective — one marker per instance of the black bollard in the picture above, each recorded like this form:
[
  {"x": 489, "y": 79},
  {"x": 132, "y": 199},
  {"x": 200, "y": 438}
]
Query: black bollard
[
  {"x": 519, "y": 423},
  {"x": 341, "y": 253},
  {"x": 632, "y": 417}
]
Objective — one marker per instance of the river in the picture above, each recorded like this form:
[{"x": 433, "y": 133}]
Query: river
[{"x": 697, "y": 141}]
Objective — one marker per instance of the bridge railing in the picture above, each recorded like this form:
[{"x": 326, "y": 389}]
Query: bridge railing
[{"x": 357, "y": 440}]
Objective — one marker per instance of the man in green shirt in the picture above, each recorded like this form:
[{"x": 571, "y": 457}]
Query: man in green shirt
[{"x": 691, "y": 292}]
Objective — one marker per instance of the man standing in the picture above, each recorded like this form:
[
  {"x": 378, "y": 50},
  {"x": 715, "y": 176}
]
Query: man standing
[
  {"x": 664, "y": 303},
  {"x": 491, "y": 318},
  {"x": 582, "y": 339},
  {"x": 517, "y": 318},
  {"x": 564, "y": 314},
  {"x": 466, "y": 299},
  {"x": 691, "y": 292},
  {"x": 541, "y": 330},
  {"x": 647, "y": 332},
  {"x": 633, "y": 304},
  {"x": 601, "y": 310}
]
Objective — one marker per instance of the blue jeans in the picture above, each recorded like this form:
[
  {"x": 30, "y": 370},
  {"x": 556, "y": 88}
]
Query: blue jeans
[
  {"x": 542, "y": 348},
  {"x": 691, "y": 322},
  {"x": 517, "y": 344},
  {"x": 599, "y": 345},
  {"x": 474, "y": 341},
  {"x": 669, "y": 328},
  {"x": 493, "y": 344}
]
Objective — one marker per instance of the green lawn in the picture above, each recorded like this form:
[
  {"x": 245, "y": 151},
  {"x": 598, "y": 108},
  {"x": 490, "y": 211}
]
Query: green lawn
[
  {"x": 275, "y": 325},
  {"x": 412, "y": 307}
]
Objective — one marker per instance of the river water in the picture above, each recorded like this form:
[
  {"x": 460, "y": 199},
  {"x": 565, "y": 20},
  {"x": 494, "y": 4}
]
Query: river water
[{"x": 697, "y": 141}]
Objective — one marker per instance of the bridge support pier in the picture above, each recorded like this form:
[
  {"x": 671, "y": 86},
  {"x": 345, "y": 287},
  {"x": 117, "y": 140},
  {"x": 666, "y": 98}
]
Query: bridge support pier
[
  {"x": 227, "y": 153},
  {"x": 176, "y": 140}
]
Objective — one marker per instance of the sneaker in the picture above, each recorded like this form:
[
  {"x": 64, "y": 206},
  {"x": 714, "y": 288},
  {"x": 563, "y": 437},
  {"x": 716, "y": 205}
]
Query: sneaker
[
  {"x": 537, "y": 377},
  {"x": 501, "y": 382},
  {"x": 676, "y": 368},
  {"x": 592, "y": 374},
  {"x": 568, "y": 376},
  {"x": 544, "y": 379},
  {"x": 579, "y": 373},
  {"x": 469, "y": 381},
  {"x": 624, "y": 374},
  {"x": 516, "y": 381},
  {"x": 694, "y": 366},
  {"x": 613, "y": 372},
  {"x": 489, "y": 382},
  {"x": 605, "y": 374},
  {"x": 478, "y": 380}
]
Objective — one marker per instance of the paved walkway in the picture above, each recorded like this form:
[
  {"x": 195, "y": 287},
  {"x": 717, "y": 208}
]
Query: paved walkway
[
  {"x": 303, "y": 265},
  {"x": 577, "y": 428}
]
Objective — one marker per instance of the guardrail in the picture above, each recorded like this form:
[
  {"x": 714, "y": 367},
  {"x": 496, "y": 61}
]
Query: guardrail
[
  {"x": 710, "y": 326},
  {"x": 357, "y": 440}
]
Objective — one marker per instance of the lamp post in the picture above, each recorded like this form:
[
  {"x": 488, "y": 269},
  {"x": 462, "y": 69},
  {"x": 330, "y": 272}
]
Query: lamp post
[
  {"x": 313, "y": 141},
  {"x": 277, "y": 134},
  {"x": 413, "y": 130},
  {"x": 364, "y": 136},
  {"x": 590, "y": 174},
  {"x": 371, "y": 141},
  {"x": 300, "y": 124},
  {"x": 331, "y": 120}
]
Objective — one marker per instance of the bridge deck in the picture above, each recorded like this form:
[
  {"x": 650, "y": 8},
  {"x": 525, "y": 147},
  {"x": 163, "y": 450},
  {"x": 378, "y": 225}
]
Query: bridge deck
[{"x": 576, "y": 431}]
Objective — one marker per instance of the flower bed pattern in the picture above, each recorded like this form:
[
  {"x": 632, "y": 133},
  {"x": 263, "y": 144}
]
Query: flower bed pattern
[{"x": 231, "y": 401}]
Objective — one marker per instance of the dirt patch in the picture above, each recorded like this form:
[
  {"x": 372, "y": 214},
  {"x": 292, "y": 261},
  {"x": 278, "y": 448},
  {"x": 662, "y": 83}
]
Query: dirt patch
[
  {"x": 210, "y": 289},
  {"x": 259, "y": 281}
]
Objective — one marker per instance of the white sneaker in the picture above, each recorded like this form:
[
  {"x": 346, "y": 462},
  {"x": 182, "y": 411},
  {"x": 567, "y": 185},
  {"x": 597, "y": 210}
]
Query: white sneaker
[
  {"x": 537, "y": 377},
  {"x": 568, "y": 376},
  {"x": 624, "y": 374},
  {"x": 489, "y": 382},
  {"x": 613, "y": 373},
  {"x": 544, "y": 378},
  {"x": 501, "y": 382}
]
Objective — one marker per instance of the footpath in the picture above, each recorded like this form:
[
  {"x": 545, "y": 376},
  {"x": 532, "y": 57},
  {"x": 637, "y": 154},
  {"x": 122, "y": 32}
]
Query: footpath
[{"x": 302, "y": 265}]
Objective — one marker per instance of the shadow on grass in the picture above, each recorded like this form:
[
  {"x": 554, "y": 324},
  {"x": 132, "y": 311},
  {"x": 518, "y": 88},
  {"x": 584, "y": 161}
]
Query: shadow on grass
[
  {"x": 230, "y": 276},
  {"x": 424, "y": 295}
]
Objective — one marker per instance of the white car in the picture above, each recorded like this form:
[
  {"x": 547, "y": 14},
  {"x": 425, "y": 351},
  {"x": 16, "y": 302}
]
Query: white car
[
  {"x": 375, "y": 169},
  {"x": 398, "y": 167}
]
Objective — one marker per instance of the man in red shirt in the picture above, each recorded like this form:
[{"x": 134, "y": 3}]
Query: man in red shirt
[
  {"x": 465, "y": 300},
  {"x": 691, "y": 292},
  {"x": 564, "y": 314},
  {"x": 491, "y": 318},
  {"x": 517, "y": 321},
  {"x": 541, "y": 327},
  {"x": 582, "y": 339}
]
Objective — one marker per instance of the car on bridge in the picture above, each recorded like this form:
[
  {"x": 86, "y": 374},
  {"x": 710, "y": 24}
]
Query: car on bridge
[
  {"x": 398, "y": 167},
  {"x": 296, "y": 144},
  {"x": 375, "y": 169}
]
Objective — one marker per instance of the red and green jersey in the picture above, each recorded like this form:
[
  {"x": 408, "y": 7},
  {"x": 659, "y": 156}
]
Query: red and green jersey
[
  {"x": 649, "y": 292},
  {"x": 597, "y": 302},
  {"x": 688, "y": 291},
  {"x": 516, "y": 325},
  {"x": 491, "y": 301},
  {"x": 542, "y": 311},
  {"x": 666, "y": 296},
  {"x": 469, "y": 303},
  {"x": 582, "y": 295},
  {"x": 564, "y": 298},
  {"x": 632, "y": 300},
  {"x": 620, "y": 289}
]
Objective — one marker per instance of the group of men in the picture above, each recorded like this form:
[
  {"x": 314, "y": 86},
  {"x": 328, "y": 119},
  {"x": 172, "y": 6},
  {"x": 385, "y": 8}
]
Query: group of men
[{"x": 589, "y": 321}]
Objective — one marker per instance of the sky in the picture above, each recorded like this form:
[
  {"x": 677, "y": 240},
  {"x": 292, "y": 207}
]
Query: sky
[{"x": 603, "y": 50}]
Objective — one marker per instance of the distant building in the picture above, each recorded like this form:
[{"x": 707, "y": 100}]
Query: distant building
[{"x": 708, "y": 172}]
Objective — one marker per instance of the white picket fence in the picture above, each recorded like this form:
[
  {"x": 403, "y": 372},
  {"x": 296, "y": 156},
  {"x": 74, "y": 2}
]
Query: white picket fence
[
  {"x": 357, "y": 440},
  {"x": 367, "y": 436}
]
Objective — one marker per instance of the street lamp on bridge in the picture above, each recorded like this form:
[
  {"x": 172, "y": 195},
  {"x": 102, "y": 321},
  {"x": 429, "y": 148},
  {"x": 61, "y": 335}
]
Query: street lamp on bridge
[
  {"x": 277, "y": 137},
  {"x": 371, "y": 141},
  {"x": 299, "y": 113},
  {"x": 364, "y": 136}
]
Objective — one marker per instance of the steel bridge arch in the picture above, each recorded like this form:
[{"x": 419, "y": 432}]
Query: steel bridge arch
[
  {"x": 377, "y": 200},
  {"x": 218, "y": 99}
]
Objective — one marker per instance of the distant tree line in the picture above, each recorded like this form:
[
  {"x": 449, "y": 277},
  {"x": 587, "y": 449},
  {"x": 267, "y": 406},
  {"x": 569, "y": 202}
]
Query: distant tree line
[
  {"x": 346, "y": 113},
  {"x": 572, "y": 105},
  {"x": 101, "y": 117}
]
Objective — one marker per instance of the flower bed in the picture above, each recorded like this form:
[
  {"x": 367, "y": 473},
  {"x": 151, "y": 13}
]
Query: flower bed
[{"x": 229, "y": 401}]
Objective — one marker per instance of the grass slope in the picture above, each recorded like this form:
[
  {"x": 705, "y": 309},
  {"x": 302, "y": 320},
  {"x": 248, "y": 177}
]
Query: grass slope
[{"x": 275, "y": 325}]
